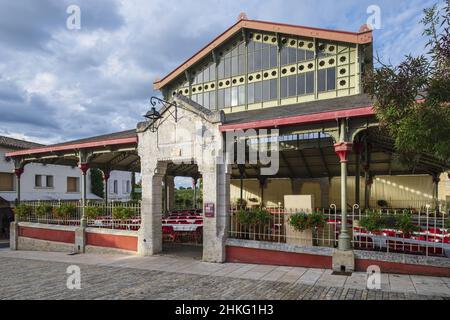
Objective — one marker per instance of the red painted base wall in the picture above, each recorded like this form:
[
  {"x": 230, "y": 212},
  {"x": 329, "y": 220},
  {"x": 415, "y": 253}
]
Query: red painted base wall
[
  {"x": 402, "y": 268},
  {"x": 112, "y": 241},
  {"x": 47, "y": 234},
  {"x": 279, "y": 258}
]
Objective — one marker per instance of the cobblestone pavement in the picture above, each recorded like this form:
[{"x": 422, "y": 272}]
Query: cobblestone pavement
[{"x": 39, "y": 276}]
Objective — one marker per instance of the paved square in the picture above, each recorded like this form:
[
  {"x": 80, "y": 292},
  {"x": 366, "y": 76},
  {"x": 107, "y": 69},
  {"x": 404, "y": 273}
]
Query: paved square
[{"x": 42, "y": 275}]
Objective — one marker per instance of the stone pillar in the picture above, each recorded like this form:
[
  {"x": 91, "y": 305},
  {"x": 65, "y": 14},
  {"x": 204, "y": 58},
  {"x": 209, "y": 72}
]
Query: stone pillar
[
  {"x": 150, "y": 233},
  {"x": 14, "y": 235},
  {"x": 325, "y": 189},
  {"x": 84, "y": 167},
  {"x": 170, "y": 192},
  {"x": 296, "y": 185},
  {"x": 194, "y": 187},
  {"x": 342, "y": 149},
  {"x": 80, "y": 239},
  {"x": 216, "y": 192},
  {"x": 357, "y": 148}
]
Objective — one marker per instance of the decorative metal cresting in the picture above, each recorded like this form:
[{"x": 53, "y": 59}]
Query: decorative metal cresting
[{"x": 155, "y": 116}]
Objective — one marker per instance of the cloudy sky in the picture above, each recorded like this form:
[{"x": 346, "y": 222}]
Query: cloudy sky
[{"x": 58, "y": 84}]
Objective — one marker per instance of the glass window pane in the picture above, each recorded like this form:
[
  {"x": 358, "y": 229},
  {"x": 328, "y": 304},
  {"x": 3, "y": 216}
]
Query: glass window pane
[
  {"x": 251, "y": 92},
  {"x": 241, "y": 64},
  {"x": 242, "y": 48},
  {"x": 212, "y": 100},
  {"x": 206, "y": 75},
  {"x": 250, "y": 62},
  {"x": 241, "y": 95},
  {"x": 301, "y": 84},
  {"x": 266, "y": 58},
  {"x": 300, "y": 55},
  {"x": 331, "y": 78},
  {"x": 292, "y": 55},
  {"x": 221, "y": 98},
  {"x": 234, "y": 96},
  {"x": 321, "y": 80},
  {"x": 283, "y": 87},
  {"x": 227, "y": 67},
  {"x": 251, "y": 46},
  {"x": 266, "y": 90},
  {"x": 273, "y": 56},
  {"x": 309, "y": 54},
  {"x": 234, "y": 66},
  {"x": 221, "y": 69},
  {"x": 227, "y": 97},
  {"x": 258, "y": 46},
  {"x": 284, "y": 56},
  {"x": 292, "y": 86},
  {"x": 257, "y": 61},
  {"x": 310, "y": 82},
  {"x": 258, "y": 91},
  {"x": 235, "y": 51},
  {"x": 212, "y": 72},
  {"x": 206, "y": 100},
  {"x": 273, "y": 89}
]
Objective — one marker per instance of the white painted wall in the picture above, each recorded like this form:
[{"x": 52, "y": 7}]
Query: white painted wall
[{"x": 60, "y": 174}]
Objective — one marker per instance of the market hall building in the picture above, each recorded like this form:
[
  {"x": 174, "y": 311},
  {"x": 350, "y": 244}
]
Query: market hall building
[{"x": 293, "y": 90}]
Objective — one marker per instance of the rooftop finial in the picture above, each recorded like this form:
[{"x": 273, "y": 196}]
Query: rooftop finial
[
  {"x": 365, "y": 27},
  {"x": 242, "y": 16}
]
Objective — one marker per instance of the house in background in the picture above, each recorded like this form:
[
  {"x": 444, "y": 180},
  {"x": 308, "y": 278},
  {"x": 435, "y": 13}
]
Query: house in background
[{"x": 52, "y": 182}]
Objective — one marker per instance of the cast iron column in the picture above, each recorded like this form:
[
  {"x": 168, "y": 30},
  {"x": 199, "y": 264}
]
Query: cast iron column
[
  {"x": 84, "y": 167},
  {"x": 18, "y": 172},
  {"x": 342, "y": 149},
  {"x": 357, "y": 148},
  {"x": 106, "y": 175},
  {"x": 194, "y": 186}
]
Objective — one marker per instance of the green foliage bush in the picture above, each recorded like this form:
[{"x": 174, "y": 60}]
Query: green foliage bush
[
  {"x": 93, "y": 212},
  {"x": 373, "y": 222},
  {"x": 65, "y": 210},
  {"x": 22, "y": 210},
  {"x": 405, "y": 224},
  {"x": 302, "y": 221},
  {"x": 122, "y": 213},
  {"x": 257, "y": 216},
  {"x": 43, "y": 210},
  {"x": 299, "y": 221}
]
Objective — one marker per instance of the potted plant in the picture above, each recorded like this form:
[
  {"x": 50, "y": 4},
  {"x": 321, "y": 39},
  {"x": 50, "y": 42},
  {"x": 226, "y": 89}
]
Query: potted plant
[
  {"x": 93, "y": 212},
  {"x": 122, "y": 213},
  {"x": 261, "y": 216},
  {"x": 405, "y": 224},
  {"x": 372, "y": 222},
  {"x": 299, "y": 221},
  {"x": 22, "y": 210},
  {"x": 314, "y": 221},
  {"x": 43, "y": 210},
  {"x": 65, "y": 210}
]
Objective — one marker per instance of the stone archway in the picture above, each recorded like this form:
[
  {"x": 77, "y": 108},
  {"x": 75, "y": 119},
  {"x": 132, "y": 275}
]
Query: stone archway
[{"x": 194, "y": 137}]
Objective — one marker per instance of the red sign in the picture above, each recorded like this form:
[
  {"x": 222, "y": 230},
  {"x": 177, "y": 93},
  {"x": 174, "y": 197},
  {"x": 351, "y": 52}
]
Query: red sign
[{"x": 208, "y": 210}]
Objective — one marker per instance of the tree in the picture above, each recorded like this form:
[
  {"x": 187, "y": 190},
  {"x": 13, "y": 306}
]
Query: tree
[
  {"x": 412, "y": 99},
  {"x": 97, "y": 183}
]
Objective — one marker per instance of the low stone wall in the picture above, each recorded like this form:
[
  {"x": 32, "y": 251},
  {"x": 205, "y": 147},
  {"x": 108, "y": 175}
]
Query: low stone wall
[
  {"x": 29, "y": 244},
  {"x": 121, "y": 240},
  {"x": 282, "y": 254},
  {"x": 402, "y": 263},
  {"x": 259, "y": 252},
  {"x": 45, "y": 237}
]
